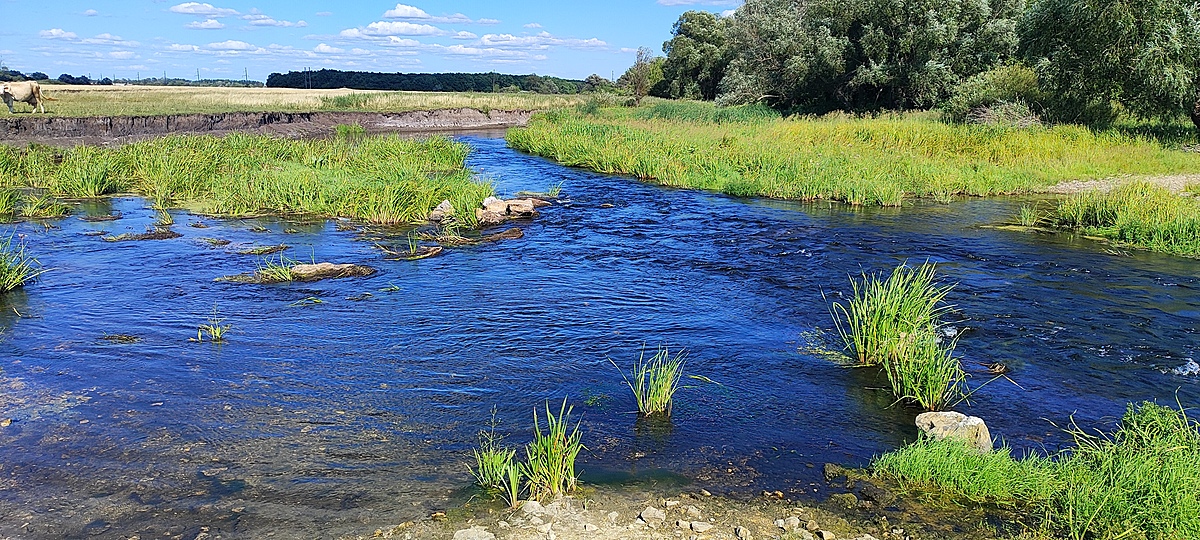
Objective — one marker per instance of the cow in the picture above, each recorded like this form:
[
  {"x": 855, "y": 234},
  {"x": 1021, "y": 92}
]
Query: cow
[{"x": 29, "y": 92}]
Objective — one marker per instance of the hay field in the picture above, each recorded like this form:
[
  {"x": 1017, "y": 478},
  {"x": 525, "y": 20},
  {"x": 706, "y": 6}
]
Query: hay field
[{"x": 157, "y": 100}]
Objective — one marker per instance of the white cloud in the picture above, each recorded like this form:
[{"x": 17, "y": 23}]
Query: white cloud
[
  {"x": 533, "y": 25},
  {"x": 210, "y": 24},
  {"x": 258, "y": 19},
  {"x": 122, "y": 55},
  {"x": 109, "y": 39},
  {"x": 465, "y": 35},
  {"x": 323, "y": 48},
  {"x": 91, "y": 13},
  {"x": 202, "y": 10},
  {"x": 182, "y": 48},
  {"x": 324, "y": 13},
  {"x": 232, "y": 45},
  {"x": 404, "y": 11},
  {"x": 57, "y": 33},
  {"x": 488, "y": 21},
  {"x": 542, "y": 40},
  {"x": 393, "y": 28},
  {"x": 729, "y": 13}
]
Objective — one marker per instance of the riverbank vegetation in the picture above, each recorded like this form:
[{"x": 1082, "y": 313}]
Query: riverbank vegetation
[
  {"x": 896, "y": 323},
  {"x": 17, "y": 267},
  {"x": 1137, "y": 214},
  {"x": 549, "y": 467},
  {"x": 1143, "y": 481},
  {"x": 76, "y": 101},
  {"x": 378, "y": 179},
  {"x": 654, "y": 381},
  {"x": 878, "y": 160}
]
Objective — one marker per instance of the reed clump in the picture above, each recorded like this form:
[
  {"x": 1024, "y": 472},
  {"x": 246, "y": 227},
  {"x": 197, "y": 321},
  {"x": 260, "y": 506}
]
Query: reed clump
[
  {"x": 881, "y": 160},
  {"x": 378, "y": 179},
  {"x": 1137, "y": 214},
  {"x": 896, "y": 323},
  {"x": 17, "y": 267},
  {"x": 1142, "y": 481},
  {"x": 654, "y": 381},
  {"x": 549, "y": 466}
]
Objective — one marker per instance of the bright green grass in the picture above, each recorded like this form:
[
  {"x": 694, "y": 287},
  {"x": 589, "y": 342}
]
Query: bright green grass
[
  {"x": 866, "y": 161},
  {"x": 17, "y": 267},
  {"x": 549, "y": 469},
  {"x": 655, "y": 381},
  {"x": 1142, "y": 482},
  {"x": 1138, "y": 214},
  {"x": 379, "y": 179}
]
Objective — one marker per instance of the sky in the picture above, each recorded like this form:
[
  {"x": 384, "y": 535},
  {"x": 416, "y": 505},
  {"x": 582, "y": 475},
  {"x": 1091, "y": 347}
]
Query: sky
[{"x": 228, "y": 39}]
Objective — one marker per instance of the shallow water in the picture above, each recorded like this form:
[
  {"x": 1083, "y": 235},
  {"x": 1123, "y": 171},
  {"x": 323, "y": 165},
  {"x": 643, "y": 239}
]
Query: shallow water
[{"x": 317, "y": 420}]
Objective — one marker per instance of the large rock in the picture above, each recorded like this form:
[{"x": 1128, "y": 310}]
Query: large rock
[
  {"x": 319, "y": 271},
  {"x": 441, "y": 212},
  {"x": 950, "y": 424},
  {"x": 488, "y": 218}
]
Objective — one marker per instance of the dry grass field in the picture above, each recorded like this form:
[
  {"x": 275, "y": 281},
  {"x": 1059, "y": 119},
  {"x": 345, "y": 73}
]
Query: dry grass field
[{"x": 158, "y": 100}]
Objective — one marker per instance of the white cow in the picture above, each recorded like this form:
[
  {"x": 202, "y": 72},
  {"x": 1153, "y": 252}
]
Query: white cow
[{"x": 27, "y": 92}]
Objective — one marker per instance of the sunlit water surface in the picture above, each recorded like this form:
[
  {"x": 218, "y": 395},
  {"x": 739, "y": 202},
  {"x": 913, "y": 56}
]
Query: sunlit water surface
[{"x": 331, "y": 418}]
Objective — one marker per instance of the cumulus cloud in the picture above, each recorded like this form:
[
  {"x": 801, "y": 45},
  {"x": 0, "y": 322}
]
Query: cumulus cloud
[
  {"x": 109, "y": 39},
  {"x": 258, "y": 19},
  {"x": 728, "y": 13},
  {"x": 465, "y": 35},
  {"x": 122, "y": 55},
  {"x": 323, "y": 48},
  {"x": 57, "y": 33},
  {"x": 202, "y": 10},
  {"x": 407, "y": 12},
  {"x": 210, "y": 24},
  {"x": 533, "y": 25},
  {"x": 488, "y": 21},
  {"x": 232, "y": 45},
  {"x": 91, "y": 13},
  {"x": 392, "y": 28},
  {"x": 543, "y": 40},
  {"x": 182, "y": 48}
]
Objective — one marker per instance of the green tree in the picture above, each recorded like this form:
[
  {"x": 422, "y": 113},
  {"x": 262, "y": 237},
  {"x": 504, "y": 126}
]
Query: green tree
[
  {"x": 696, "y": 56},
  {"x": 644, "y": 75},
  {"x": 1143, "y": 54},
  {"x": 820, "y": 55}
]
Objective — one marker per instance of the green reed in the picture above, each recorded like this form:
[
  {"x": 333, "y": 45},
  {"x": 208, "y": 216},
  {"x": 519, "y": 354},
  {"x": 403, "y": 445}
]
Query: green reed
[
  {"x": 1138, "y": 214},
  {"x": 881, "y": 315},
  {"x": 492, "y": 460},
  {"x": 10, "y": 202},
  {"x": 270, "y": 271},
  {"x": 17, "y": 267},
  {"x": 215, "y": 327},
  {"x": 549, "y": 469},
  {"x": 42, "y": 207},
  {"x": 864, "y": 161},
  {"x": 924, "y": 371},
  {"x": 654, "y": 381},
  {"x": 1143, "y": 481}
]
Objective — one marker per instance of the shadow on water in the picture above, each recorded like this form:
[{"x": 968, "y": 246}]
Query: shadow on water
[{"x": 332, "y": 418}]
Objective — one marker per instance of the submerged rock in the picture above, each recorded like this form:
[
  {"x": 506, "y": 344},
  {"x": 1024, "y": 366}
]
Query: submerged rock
[
  {"x": 950, "y": 424},
  {"x": 325, "y": 270},
  {"x": 156, "y": 234}
]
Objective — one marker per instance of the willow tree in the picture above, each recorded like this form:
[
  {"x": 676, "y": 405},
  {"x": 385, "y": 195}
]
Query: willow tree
[
  {"x": 696, "y": 55},
  {"x": 1143, "y": 54}
]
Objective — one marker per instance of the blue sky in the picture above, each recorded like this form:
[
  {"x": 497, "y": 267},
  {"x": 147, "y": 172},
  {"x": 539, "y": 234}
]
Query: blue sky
[{"x": 222, "y": 38}]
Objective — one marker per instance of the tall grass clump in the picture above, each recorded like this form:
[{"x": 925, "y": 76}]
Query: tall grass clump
[
  {"x": 654, "y": 381},
  {"x": 1142, "y": 481},
  {"x": 17, "y": 267},
  {"x": 881, "y": 161},
  {"x": 492, "y": 460},
  {"x": 896, "y": 323},
  {"x": 1138, "y": 214},
  {"x": 10, "y": 201},
  {"x": 550, "y": 458}
]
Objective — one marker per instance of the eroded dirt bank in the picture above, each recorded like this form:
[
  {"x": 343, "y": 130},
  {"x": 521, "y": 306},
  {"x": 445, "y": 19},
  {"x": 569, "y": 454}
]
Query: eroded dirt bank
[{"x": 26, "y": 128}]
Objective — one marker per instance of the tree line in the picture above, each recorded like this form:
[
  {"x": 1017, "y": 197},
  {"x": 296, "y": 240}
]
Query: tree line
[
  {"x": 1080, "y": 61},
  {"x": 430, "y": 82}
]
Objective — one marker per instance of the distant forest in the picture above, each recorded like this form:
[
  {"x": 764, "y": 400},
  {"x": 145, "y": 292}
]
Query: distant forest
[{"x": 427, "y": 82}]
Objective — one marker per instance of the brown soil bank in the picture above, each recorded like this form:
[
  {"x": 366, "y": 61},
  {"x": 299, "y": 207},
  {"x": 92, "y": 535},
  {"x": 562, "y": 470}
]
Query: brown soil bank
[{"x": 110, "y": 129}]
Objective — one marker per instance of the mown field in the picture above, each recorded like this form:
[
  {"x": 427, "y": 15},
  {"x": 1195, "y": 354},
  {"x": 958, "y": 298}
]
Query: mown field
[{"x": 158, "y": 100}]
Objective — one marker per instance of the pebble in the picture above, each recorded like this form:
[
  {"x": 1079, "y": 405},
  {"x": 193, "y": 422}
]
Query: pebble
[
  {"x": 613, "y": 516},
  {"x": 743, "y": 533},
  {"x": 544, "y": 528},
  {"x": 532, "y": 507},
  {"x": 474, "y": 533},
  {"x": 589, "y": 527},
  {"x": 651, "y": 514},
  {"x": 812, "y": 526},
  {"x": 826, "y": 535},
  {"x": 535, "y": 520},
  {"x": 693, "y": 512},
  {"x": 701, "y": 526},
  {"x": 792, "y": 522},
  {"x": 705, "y": 493},
  {"x": 683, "y": 524}
]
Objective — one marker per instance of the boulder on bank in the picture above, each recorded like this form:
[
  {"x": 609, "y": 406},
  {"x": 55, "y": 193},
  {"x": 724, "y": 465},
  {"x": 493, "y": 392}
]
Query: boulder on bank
[
  {"x": 950, "y": 424},
  {"x": 441, "y": 212},
  {"x": 495, "y": 211}
]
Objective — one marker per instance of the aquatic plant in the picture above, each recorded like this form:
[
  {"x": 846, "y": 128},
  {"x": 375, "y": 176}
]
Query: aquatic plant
[
  {"x": 214, "y": 327},
  {"x": 1029, "y": 216},
  {"x": 863, "y": 161},
  {"x": 270, "y": 271},
  {"x": 654, "y": 381},
  {"x": 510, "y": 489},
  {"x": 17, "y": 267},
  {"x": 43, "y": 207},
  {"x": 1143, "y": 481},
  {"x": 878, "y": 322},
  {"x": 9, "y": 200},
  {"x": 350, "y": 131},
  {"x": 549, "y": 469},
  {"x": 492, "y": 460},
  {"x": 1138, "y": 214},
  {"x": 924, "y": 371}
]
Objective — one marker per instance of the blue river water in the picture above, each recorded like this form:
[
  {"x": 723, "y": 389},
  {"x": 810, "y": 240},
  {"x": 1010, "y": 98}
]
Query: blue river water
[{"x": 319, "y": 419}]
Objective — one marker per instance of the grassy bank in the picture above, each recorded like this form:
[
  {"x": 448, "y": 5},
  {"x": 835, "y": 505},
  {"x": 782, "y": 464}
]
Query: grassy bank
[
  {"x": 380, "y": 179},
  {"x": 157, "y": 100},
  {"x": 1136, "y": 214},
  {"x": 871, "y": 161},
  {"x": 1141, "y": 482}
]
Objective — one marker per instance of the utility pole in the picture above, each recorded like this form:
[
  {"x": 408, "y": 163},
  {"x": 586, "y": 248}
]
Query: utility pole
[
  {"x": 164, "y": 77},
  {"x": 246, "y": 76},
  {"x": 197, "y": 75}
]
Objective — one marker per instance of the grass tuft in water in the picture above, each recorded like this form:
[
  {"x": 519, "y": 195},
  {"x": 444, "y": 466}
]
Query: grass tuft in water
[
  {"x": 270, "y": 271},
  {"x": 654, "y": 381},
  {"x": 550, "y": 458},
  {"x": 1137, "y": 214},
  {"x": 10, "y": 200},
  {"x": 1143, "y": 481},
  {"x": 492, "y": 460},
  {"x": 17, "y": 267},
  {"x": 43, "y": 207},
  {"x": 1029, "y": 216},
  {"x": 215, "y": 327}
]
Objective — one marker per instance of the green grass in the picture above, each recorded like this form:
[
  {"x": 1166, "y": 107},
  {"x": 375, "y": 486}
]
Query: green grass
[
  {"x": 42, "y": 207},
  {"x": 865, "y": 161},
  {"x": 270, "y": 271},
  {"x": 654, "y": 381},
  {"x": 896, "y": 322},
  {"x": 1143, "y": 481},
  {"x": 549, "y": 469},
  {"x": 17, "y": 267},
  {"x": 10, "y": 202},
  {"x": 378, "y": 179},
  {"x": 1136, "y": 214},
  {"x": 492, "y": 460},
  {"x": 215, "y": 327}
]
